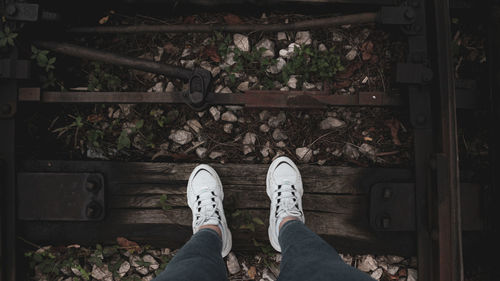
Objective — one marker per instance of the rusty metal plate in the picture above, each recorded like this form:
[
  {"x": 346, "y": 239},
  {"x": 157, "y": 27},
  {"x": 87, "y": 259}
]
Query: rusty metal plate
[
  {"x": 60, "y": 196},
  {"x": 392, "y": 206}
]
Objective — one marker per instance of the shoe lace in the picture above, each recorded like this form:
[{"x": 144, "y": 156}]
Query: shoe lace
[
  {"x": 206, "y": 207},
  {"x": 287, "y": 204}
]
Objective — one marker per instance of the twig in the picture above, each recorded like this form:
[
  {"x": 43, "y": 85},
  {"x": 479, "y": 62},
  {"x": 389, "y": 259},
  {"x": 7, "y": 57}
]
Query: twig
[
  {"x": 28, "y": 242},
  {"x": 387, "y": 153},
  {"x": 207, "y": 28}
]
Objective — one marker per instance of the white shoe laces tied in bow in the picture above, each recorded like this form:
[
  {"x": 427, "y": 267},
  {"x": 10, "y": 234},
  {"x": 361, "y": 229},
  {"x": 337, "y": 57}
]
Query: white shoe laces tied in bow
[
  {"x": 287, "y": 204},
  {"x": 206, "y": 207}
]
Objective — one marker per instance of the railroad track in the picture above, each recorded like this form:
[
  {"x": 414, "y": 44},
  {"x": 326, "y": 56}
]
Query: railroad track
[{"x": 423, "y": 211}]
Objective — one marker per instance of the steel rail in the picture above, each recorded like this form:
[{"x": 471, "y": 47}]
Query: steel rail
[{"x": 250, "y": 99}]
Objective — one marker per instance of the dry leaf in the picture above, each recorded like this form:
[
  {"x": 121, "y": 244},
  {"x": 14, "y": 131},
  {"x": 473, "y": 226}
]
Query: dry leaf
[
  {"x": 94, "y": 118},
  {"x": 104, "y": 20},
  {"x": 367, "y": 50},
  {"x": 232, "y": 19},
  {"x": 393, "y": 124},
  {"x": 131, "y": 246},
  {"x": 189, "y": 20},
  {"x": 252, "y": 272},
  {"x": 211, "y": 52},
  {"x": 170, "y": 49}
]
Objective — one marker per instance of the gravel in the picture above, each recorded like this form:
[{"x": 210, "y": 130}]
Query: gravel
[
  {"x": 304, "y": 154},
  {"x": 228, "y": 116},
  {"x": 331, "y": 123},
  {"x": 181, "y": 137},
  {"x": 241, "y": 42}
]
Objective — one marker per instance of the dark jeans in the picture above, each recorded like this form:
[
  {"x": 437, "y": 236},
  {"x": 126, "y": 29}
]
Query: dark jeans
[{"x": 305, "y": 257}]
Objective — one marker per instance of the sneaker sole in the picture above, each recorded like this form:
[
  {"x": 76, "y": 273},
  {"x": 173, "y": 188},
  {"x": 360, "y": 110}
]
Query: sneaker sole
[{"x": 228, "y": 241}]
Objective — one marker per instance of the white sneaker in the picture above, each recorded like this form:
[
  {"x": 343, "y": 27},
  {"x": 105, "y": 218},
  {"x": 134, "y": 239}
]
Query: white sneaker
[
  {"x": 205, "y": 195},
  {"x": 284, "y": 188}
]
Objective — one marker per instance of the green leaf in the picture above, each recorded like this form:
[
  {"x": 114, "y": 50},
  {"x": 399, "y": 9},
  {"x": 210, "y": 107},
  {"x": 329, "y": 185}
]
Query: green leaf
[
  {"x": 3, "y": 42},
  {"x": 139, "y": 124},
  {"x": 52, "y": 60},
  {"x": 123, "y": 140},
  {"x": 257, "y": 221},
  {"x": 249, "y": 226}
]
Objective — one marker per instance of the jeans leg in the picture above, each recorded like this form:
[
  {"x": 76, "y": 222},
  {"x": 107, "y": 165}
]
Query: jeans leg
[
  {"x": 200, "y": 259},
  {"x": 306, "y": 256}
]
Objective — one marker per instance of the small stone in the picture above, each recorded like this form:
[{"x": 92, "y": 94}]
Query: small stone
[
  {"x": 218, "y": 88},
  {"x": 165, "y": 251},
  {"x": 412, "y": 275},
  {"x": 304, "y": 154},
  {"x": 186, "y": 52},
  {"x": 215, "y": 71},
  {"x": 281, "y": 36},
  {"x": 226, "y": 90},
  {"x": 391, "y": 259},
  {"x": 158, "y": 87},
  {"x": 241, "y": 42},
  {"x": 215, "y": 154},
  {"x": 276, "y": 121},
  {"x": 264, "y": 128},
  {"x": 268, "y": 45},
  {"x": 170, "y": 87},
  {"x": 303, "y": 38},
  {"x": 308, "y": 86},
  {"x": 346, "y": 258},
  {"x": 367, "y": 263},
  {"x": 377, "y": 273},
  {"x": 284, "y": 89},
  {"x": 275, "y": 69},
  {"x": 264, "y": 115},
  {"x": 142, "y": 270},
  {"x": 392, "y": 269},
  {"x": 350, "y": 152},
  {"x": 153, "y": 264},
  {"x": 229, "y": 60},
  {"x": 243, "y": 86},
  {"x": 149, "y": 277},
  {"x": 321, "y": 162},
  {"x": 124, "y": 268},
  {"x": 101, "y": 273},
  {"x": 201, "y": 152},
  {"x": 322, "y": 48},
  {"x": 228, "y": 128},
  {"x": 233, "y": 266},
  {"x": 337, "y": 37},
  {"x": 249, "y": 138},
  {"x": 181, "y": 137},
  {"x": 215, "y": 113},
  {"x": 368, "y": 150},
  {"x": 281, "y": 144},
  {"x": 228, "y": 116},
  {"x": 188, "y": 63},
  {"x": 194, "y": 125},
  {"x": 278, "y": 135},
  {"x": 76, "y": 271},
  {"x": 365, "y": 80},
  {"x": 292, "y": 82},
  {"x": 266, "y": 150},
  {"x": 351, "y": 55},
  {"x": 253, "y": 79},
  {"x": 331, "y": 123}
]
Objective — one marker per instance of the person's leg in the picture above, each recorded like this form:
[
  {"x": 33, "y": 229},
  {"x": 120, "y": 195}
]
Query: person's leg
[
  {"x": 201, "y": 257},
  {"x": 306, "y": 256}
]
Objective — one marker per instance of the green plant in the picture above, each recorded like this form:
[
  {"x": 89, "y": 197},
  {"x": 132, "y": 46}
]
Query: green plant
[
  {"x": 100, "y": 79},
  {"x": 123, "y": 140},
  {"x": 43, "y": 59},
  {"x": 310, "y": 64},
  {"x": 246, "y": 220},
  {"x": 163, "y": 203},
  {"x": 7, "y": 37}
]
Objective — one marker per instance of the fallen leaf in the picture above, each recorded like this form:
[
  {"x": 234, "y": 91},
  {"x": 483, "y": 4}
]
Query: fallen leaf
[
  {"x": 131, "y": 246},
  {"x": 368, "y": 139},
  {"x": 393, "y": 124},
  {"x": 211, "y": 52},
  {"x": 342, "y": 84},
  {"x": 104, "y": 20},
  {"x": 94, "y": 118},
  {"x": 232, "y": 19},
  {"x": 252, "y": 272},
  {"x": 189, "y": 20},
  {"x": 367, "y": 50},
  {"x": 170, "y": 48},
  {"x": 349, "y": 71}
]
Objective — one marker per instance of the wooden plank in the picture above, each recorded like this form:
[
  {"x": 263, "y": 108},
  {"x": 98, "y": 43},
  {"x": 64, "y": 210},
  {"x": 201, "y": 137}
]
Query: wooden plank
[{"x": 240, "y": 199}]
